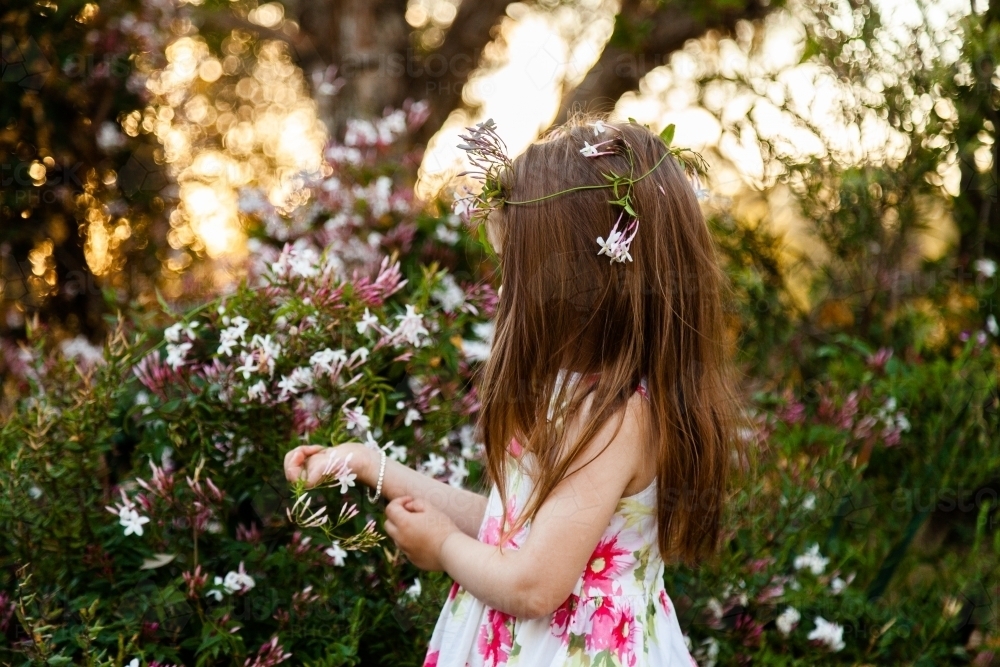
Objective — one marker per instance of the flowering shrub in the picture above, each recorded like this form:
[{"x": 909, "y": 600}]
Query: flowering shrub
[
  {"x": 839, "y": 547},
  {"x": 187, "y": 441},
  {"x": 147, "y": 519},
  {"x": 149, "y": 476}
]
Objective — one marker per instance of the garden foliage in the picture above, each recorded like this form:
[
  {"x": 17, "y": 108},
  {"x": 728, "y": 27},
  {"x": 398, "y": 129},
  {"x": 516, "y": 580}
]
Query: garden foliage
[{"x": 145, "y": 513}]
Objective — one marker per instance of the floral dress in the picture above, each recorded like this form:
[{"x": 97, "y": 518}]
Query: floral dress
[{"x": 619, "y": 613}]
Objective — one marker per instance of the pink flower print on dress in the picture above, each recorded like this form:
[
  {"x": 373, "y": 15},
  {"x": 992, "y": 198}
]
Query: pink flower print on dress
[
  {"x": 614, "y": 628},
  {"x": 453, "y": 591},
  {"x": 432, "y": 659},
  {"x": 602, "y": 620},
  {"x": 515, "y": 448},
  {"x": 495, "y": 638},
  {"x": 625, "y": 635},
  {"x": 490, "y": 532},
  {"x": 562, "y": 617},
  {"x": 665, "y": 602},
  {"x": 607, "y": 561}
]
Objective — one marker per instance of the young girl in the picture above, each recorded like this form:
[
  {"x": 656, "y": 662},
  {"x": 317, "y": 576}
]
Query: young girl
[{"x": 607, "y": 417}]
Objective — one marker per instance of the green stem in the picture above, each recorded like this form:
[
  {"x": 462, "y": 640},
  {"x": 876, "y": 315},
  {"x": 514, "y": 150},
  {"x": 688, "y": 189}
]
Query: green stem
[{"x": 630, "y": 181}]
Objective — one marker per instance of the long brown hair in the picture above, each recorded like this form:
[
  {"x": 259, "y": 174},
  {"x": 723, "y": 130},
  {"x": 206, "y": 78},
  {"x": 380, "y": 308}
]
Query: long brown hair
[{"x": 659, "y": 317}]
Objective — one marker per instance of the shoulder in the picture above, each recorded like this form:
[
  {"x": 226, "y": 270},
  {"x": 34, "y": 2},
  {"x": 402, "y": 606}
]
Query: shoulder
[{"x": 617, "y": 449}]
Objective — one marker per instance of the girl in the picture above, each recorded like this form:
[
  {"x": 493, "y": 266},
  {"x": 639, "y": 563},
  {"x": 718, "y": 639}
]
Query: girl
[{"x": 607, "y": 416}]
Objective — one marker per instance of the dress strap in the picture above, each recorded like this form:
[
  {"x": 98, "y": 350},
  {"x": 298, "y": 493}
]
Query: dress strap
[{"x": 643, "y": 388}]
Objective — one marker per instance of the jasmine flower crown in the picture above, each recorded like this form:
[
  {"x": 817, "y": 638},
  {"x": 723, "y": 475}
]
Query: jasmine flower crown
[{"x": 488, "y": 154}]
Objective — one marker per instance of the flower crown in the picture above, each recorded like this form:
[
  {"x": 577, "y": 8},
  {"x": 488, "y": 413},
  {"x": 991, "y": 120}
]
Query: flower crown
[{"x": 488, "y": 154}]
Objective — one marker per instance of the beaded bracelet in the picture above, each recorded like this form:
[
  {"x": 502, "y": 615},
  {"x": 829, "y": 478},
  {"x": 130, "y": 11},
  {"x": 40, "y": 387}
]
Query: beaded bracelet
[{"x": 381, "y": 475}]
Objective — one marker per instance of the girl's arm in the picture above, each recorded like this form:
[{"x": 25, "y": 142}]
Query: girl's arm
[
  {"x": 465, "y": 508},
  {"x": 532, "y": 581}
]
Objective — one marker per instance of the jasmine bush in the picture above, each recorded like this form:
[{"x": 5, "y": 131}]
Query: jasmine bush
[{"x": 147, "y": 520}]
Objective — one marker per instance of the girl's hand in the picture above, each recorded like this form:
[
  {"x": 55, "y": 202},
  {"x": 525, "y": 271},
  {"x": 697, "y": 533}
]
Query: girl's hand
[
  {"x": 418, "y": 530},
  {"x": 309, "y": 461}
]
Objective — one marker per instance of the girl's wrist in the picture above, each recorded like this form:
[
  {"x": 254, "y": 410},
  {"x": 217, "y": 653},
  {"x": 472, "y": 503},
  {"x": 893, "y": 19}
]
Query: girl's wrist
[
  {"x": 364, "y": 463},
  {"x": 443, "y": 549}
]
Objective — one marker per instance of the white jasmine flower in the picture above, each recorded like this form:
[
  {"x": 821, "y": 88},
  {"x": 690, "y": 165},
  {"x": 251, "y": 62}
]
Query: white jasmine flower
[
  {"x": 812, "y": 560},
  {"x": 360, "y": 355},
  {"x": 598, "y": 126},
  {"x": 809, "y": 502},
  {"x": 413, "y": 592},
  {"x": 342, "y": 471},
  {"x": 172, "y": 334},
  {"x": 328, "y": 361},
  {"x": 787, "y": 620},
  {"x": 412, "y": 415},
  {"x": 986, "y": 267},
  {"x": 216, "y": 591},
  {"x": 711, "y": 651},
  {"x": 458, "y": 473},
  {"x": 828, "y": 633},
  {"x": 237, "y": 581},
  {"x": 270, "y": 351},
  {"x": 249, "y": 365},
  {"x": 233, "y": 335},
  {"x": 303, "y": 377},
  {"x": 837, "y": 586},
  {"x": 411, "y": 327},
  {"x": 257, "y": 392},
  {"x": 357, "y": 420},
  {"x": 226, "y": 344},
  {"x": 475, "y": 350},
  {"x": 304, "y": 263},
  {"x": 592, "y": 151},
  {"x": 715, "y": 607},
  {"x": 991, "y": 325},
  {"x": 299, "y": 380},
  {"x": 287, "y": 386},
  {"x": 618, "y": 244},
  {"x": 337, "y": 554},
  {"x": 434, "y": 465},
  {"x": 470, "y": 448},
  {"x": 449, "y": 294},
  {"x": 902, "y": 423},
  {"x": 177, "y": 355},
  {"x": 446, "y": 235},
  {"x": 368, "y": 320},
  {"x": 132, "y": 521},
  {"x": 397, "y": 453},
  {"x": 80, "y": 348}
]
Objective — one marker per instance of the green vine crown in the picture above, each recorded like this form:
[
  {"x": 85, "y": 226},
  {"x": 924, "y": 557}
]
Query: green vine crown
[{"x": 488, "y": 154}]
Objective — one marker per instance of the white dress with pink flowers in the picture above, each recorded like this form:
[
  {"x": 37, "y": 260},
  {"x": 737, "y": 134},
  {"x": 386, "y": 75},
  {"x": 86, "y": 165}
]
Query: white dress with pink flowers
[{"x": 619, "y": 613}]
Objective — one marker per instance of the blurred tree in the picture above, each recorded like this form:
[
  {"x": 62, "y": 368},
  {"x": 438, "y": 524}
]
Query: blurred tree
[
  {"x": 67, "y": 220},
  {"x": 897, "y": 153},
  {"x": 976, "y": 94},
  {"x": 84, "y": 208},
  {"x": 390, "y": 50}
]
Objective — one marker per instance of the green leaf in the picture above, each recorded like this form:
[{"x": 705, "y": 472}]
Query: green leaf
[{"x": 668, "y": 134}]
